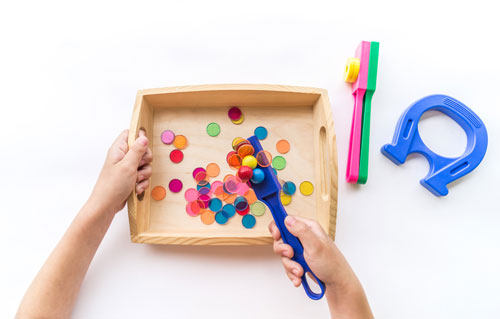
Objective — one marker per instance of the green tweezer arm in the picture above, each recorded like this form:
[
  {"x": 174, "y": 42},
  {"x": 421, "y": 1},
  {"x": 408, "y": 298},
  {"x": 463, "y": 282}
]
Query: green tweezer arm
[{"x": 367, "y": 109}]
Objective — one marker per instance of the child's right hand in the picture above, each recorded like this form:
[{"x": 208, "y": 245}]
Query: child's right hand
[
  {"x": 320, "y": 253},
  {"x": 344, "y": 293}
]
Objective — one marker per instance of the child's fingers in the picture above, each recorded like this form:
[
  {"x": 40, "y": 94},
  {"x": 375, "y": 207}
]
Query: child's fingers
[
  {"x": 140, "y": 187},
  {"x": 119, "y": 148},
  {"x": 144, "y": 173},
  {"x": 146, "y": 158},
  {"x": 137, "y": 151},
  {"x": 306, "y": 231},
  {"x": 273, "y": 229},
  {"x": 293, "y": 270},
  {"x": 282, "y": 249},
  {"x": 292, "y": 266},
  {"x": 296, "y": 281}
]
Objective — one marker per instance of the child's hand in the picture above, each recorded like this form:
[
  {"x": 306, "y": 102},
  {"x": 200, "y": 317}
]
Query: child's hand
[
  {"x": 321, "y": 254},
  {"x": 344, "y": 293},
  {"x": 123, "y": 170}
]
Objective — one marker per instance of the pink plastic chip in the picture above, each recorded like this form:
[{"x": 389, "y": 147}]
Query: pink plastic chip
[
  {"x": 194, "y": 208},
  {"x": 214, "y": 186},
  {"x": 197, "y": 170},
  {"x": 234, "y": 113},
  {"x": 175, "y": 185},
  {"x": 191, "y": 195},
  {"x": 189, "y": 209},
  {"x": 167, "y": 137},
  {"x": 243, "y": 189},
  {"x": 232, "y": 184},
  {"x": 205, "y": 199}
]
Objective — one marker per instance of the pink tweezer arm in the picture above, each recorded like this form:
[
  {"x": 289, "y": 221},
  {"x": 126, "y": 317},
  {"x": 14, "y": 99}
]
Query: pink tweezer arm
[{"x": 358, "y": 90}]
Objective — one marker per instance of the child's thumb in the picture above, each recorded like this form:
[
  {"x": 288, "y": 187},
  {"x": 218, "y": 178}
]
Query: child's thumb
[
  {"x": 302, "y": 229},
  {"x": 136, "y": 151}
]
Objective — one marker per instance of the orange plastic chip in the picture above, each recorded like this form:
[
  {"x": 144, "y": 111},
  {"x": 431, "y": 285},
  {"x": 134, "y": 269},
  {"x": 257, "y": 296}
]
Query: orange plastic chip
[
  {"x": 283, "y": 146},
  {"x": 213, "y": 169},
  {"x": 234, "y": 161},
  {"x": 245, "y": 150},
  {"x": 219, "y": 192},
  {"x": 180, "y": 142},
  {"x": 264, "y": 158},
  {"x": 207, "y": 217},
  {"x": 251, "y": 197},
  {"x": 158, "y": 193},
  {"x": 237, "y": 141},
  {"x": 222, "y": 195},
  {"x": 195, "y": 207},
  {"x": 230, "y": 198}
]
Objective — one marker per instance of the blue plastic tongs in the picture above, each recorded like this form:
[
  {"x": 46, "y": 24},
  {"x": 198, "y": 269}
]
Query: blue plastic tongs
[{"x": 269, "y": 192}]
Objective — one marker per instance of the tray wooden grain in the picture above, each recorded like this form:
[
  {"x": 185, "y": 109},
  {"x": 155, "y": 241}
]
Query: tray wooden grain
[{"x": 300, "y": 115}]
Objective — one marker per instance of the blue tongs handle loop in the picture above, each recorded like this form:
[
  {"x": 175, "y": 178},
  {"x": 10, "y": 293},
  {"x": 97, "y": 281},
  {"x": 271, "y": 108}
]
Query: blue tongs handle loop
[{"x": 279, "y": 215}]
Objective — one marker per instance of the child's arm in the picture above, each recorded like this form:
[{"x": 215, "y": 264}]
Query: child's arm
[
  {"x": 53, "y": 292},
  {"x": 344, "y": 293}
]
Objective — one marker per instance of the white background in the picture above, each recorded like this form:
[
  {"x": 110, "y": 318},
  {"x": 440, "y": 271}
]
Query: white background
[{"x": 69, "y": 73}]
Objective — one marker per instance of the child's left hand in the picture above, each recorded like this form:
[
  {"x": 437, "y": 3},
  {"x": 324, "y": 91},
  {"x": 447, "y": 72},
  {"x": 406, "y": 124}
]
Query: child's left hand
[{"x": 123, "y": 170}]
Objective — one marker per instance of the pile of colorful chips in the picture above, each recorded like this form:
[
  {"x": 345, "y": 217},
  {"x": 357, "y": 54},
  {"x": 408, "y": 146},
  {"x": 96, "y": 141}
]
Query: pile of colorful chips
[{"x": 219, "y": 201}]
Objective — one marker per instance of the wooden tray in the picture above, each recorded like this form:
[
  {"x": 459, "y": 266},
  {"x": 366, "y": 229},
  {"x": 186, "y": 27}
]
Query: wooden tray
[{"x": 298, "y": 114}]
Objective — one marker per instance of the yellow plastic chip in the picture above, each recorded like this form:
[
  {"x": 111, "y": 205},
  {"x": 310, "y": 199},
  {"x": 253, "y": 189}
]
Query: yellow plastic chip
[
  {"x": 306, "y": 188},
  {"x": 285, "y": 199}
]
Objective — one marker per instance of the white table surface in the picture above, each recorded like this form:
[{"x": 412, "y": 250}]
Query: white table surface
[{"x": 68, "y": 78}]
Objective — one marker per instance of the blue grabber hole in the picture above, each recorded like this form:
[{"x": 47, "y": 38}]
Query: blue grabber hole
[
  {"x": 441, "y": 134},
  {"x": 313, "y": 285}
]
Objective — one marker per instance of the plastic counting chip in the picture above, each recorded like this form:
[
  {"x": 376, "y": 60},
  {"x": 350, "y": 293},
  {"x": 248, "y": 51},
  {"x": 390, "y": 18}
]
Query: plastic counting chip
[
  {"x": 260, "y": 132},
  {"x": 264, "y": 158},
  {"x": 248, "y": 221},
  {"x": 175, "y": 185},
  {"x": 289, "y": 188},
  {"x": 283, "y": 146},
  {"x": 258, "y": 208},
  {"x": 279, "y": 162},
  {"x": 176, "y": 156},
  {"x": 229, "y": 210},
  {"x": 241, "y": 120},
  {"x": 213, "y": 170},
  {"x": 167, "y": 137},
  {"x": 207, "y": 217},
  {"x": 180, "y": 142},
  {"x": 234, "y": 113},
  {"x": 221, "y": 218},
  {"x": 213, "y": 129},
  {"x": 306, "y": 188},
  {"x": 285, "y": 199},
  {"x": 158, "y": 193}
]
